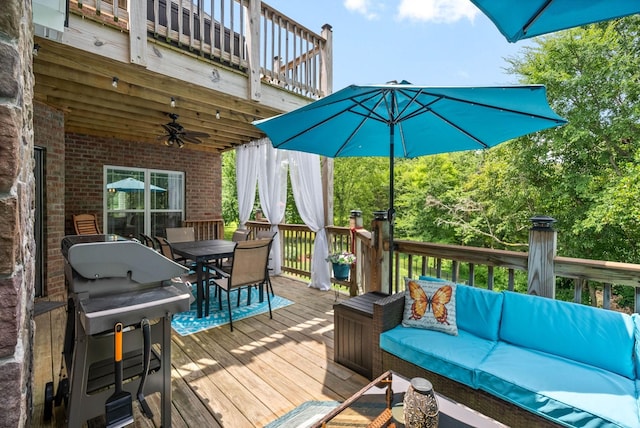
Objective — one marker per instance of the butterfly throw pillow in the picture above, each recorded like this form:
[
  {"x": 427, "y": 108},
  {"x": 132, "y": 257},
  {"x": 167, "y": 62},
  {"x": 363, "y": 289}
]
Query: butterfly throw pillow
[{"x": 430, "y": 305}]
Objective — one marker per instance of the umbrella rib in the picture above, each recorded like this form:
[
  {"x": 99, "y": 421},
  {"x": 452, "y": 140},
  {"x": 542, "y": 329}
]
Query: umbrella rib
[
  {"x": 535, "y": 16},
  {"x": 489, "y": 106},
  {"x": 322, "y": 122},
  {"x": 361, "y": 124}
]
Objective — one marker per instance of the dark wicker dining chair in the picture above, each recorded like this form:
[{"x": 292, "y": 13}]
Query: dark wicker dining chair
[{"x": 248, "y": 268}]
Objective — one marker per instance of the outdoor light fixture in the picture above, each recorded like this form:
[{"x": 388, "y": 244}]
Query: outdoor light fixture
[
  {"x": 173, "y": 102},
  {"x": 217, "y": 114},
  {"x": 542, "y": 222},
  {"x": 36, "y": 49},
  {"x": 114, "y": 82}
]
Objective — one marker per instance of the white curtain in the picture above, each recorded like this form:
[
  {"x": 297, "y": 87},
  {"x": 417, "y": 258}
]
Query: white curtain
[
  {"x": 272, "y": 188},
  {"x": 247, "y": 164},
  {"x": 306, "y": 183}
]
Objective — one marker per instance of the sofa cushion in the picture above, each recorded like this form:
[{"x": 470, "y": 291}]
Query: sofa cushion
[
  {"x": 636, "y": 333},
  {"x": 566, "y": 391},
  {"x": 477, "y": 310},
  {"x": 593, "y": 336},
  {"x": 455, "y": 357},
  {"x": 430, "y": 305}
]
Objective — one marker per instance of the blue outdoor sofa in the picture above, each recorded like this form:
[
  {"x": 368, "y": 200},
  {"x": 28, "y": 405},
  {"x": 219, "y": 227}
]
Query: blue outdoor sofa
[{"x": 523, "y": 360}]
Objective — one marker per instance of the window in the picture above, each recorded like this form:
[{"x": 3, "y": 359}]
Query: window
[{"x": 142, "y": 201}]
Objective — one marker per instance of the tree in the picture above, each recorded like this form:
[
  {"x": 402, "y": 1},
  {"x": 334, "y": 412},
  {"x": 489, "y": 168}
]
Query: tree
[
  {"x": 587, "y": 170},
  {"x": 359, "y": 184},
  {"x": 229, "y": 188}
]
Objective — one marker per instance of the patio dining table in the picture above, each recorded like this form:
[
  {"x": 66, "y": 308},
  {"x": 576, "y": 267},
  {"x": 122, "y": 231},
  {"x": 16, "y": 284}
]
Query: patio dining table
[{"x": 202, "y": 252}]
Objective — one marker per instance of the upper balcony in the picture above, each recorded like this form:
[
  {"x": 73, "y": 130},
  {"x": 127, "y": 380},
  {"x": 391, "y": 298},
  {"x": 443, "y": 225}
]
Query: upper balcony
[{"x": 118, "y": 68}]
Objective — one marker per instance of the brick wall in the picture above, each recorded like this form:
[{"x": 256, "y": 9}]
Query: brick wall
[
  {"x": 16, "y": 200},
  {"x": 48, "y": 131},
  {"x": 85, "y": 157}
]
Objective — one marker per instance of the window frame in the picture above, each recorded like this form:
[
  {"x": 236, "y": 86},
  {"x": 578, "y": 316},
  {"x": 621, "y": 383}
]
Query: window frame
[{"x": 147, "y": 210}]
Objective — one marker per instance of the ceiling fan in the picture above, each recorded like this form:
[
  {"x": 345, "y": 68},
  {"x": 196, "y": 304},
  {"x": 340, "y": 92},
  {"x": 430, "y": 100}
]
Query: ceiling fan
[{"x": 176, "y": 134}]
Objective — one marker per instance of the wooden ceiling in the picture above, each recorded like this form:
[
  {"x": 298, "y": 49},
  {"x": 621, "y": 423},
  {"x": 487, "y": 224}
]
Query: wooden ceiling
[{"x": 80, "y": 84}]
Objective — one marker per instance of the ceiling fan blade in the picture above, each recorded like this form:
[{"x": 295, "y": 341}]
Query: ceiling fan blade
[
  {"x": 196, "y": 134},
  {"x": 190, "y": 139}
]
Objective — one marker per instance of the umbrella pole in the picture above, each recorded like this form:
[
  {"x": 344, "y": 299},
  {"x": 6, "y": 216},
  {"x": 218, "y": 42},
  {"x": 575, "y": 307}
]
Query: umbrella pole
[{"x": 391, "y": 214}]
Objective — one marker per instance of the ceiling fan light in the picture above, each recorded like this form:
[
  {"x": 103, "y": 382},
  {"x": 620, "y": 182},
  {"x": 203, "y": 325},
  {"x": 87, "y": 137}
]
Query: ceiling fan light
[
  {"x": 168, "y": 142},
  {"x": 180, "y": 144}
]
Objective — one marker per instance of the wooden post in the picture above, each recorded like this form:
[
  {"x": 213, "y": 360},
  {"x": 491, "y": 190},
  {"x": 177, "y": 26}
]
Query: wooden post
[
  {"x": 253, "y": 45},
  {"x": 326, "y": 61},
  {"x": 379, "y": 256},
  {"x": 137, "y": 32},
  {"x": 542, "y": 251}
]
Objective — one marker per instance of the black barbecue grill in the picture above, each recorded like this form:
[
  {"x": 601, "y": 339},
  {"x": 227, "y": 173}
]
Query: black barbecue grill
[{"x": 112, "y": 280}]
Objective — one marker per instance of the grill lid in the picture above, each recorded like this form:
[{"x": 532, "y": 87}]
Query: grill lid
[{"x": 110, "y": 256}]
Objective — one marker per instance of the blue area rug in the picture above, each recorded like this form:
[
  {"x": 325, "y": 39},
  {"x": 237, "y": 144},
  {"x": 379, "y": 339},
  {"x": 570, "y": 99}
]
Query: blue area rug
[
  {"x": 304, "y": 415},
  {"x": 186, "y": 323}
]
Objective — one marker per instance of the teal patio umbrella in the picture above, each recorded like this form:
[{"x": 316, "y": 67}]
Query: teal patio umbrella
[
  {"x": 522, "y": 19},
  {"x": 404, "y": 121},
  {"x": 130, "y": 184}
]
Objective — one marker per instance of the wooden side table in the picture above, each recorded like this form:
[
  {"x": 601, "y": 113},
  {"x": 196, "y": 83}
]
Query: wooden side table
[{"x": 353, "y": 341}]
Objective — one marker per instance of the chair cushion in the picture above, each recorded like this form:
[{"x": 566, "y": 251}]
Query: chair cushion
[
  {"x": 566, "y": 391},
  {"x": 593, "y": 336},
  {"x": 453, "y": 356},
  {"x": 430, "y": 305}
]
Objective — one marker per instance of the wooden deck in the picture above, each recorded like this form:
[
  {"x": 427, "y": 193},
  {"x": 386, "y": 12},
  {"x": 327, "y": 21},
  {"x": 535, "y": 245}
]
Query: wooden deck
[{"x": 247, "y": 378}]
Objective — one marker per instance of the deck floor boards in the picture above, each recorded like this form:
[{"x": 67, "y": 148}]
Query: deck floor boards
[{"x": 245, "y": 378}]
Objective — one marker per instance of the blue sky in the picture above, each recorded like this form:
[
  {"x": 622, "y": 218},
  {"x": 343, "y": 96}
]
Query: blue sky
[{"x": 426, "y": 42}]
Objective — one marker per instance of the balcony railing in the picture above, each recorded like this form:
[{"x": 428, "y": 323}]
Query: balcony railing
[
  {"x": 480, "y": 267},
  {"x": 258, "y": 41}
]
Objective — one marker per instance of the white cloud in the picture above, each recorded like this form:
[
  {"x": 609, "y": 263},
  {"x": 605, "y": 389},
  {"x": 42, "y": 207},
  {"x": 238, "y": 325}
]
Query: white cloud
[
  {"x": 367, "y": 8},
  {"x": 438, "y": 11}
]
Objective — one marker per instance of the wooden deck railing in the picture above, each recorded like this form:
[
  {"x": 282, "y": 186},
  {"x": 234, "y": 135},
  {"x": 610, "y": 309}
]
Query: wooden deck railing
[
  {"x": 480, "y": 267},
  {"x": 247, "y": 35},
  {"x": 206, "y": 229}
]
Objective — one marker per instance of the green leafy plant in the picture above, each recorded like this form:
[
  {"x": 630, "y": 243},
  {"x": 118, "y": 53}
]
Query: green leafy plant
[{"x": 342, "y": 258}]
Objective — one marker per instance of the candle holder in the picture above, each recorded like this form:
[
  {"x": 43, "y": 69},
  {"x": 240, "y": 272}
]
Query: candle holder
[{"x": 420, "y": 405}]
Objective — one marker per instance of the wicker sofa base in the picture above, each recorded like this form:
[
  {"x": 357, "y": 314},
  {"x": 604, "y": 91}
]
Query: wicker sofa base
[{"x": 481, "y": 401}]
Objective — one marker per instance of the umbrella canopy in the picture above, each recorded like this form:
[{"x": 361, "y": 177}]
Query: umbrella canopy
[
  {"x": 404, "y": 120},
  {"x": 130, "y": 184},
  {"x": 518, "y": 20}
]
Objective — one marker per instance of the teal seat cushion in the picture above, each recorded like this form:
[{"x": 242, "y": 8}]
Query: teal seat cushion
[
  {"x": 455, "y": 357},
  {"x": 585, "y": 334},
  {"x": 568, "y": 392}
]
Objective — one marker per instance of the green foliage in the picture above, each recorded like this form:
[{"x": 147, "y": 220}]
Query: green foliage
[
  {"x": 229, "y": 188},
  {"x": 587, "y": 171},
  {"x": 359, "y": 184}
]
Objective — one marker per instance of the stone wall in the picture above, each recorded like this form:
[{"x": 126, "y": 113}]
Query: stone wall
[{"x": 16, "y": 202}]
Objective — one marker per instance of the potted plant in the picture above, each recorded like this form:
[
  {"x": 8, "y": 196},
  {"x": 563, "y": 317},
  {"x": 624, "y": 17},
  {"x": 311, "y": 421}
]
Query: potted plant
[{"x": 341, "y": 262}]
